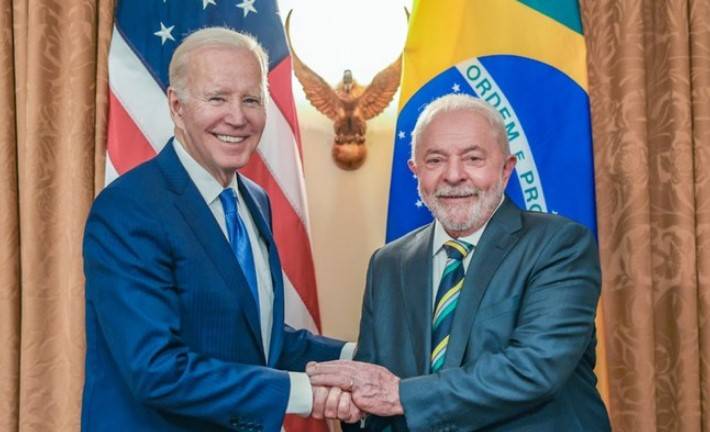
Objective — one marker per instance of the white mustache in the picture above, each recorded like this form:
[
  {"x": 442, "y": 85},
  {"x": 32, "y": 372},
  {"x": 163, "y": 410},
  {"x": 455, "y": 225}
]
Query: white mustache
[{"x": 456, "y": 191}]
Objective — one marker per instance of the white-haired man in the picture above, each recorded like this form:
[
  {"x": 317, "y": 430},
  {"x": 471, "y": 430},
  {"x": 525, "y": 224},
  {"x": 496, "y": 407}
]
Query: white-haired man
[
  {"x": 184, "y": 292},
  {"x": 484, "y": 319}
]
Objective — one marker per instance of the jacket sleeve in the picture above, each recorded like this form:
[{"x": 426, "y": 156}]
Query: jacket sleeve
[
  {"x": 366, "y": 350},
  {"x": 302, "y": 346},
  {"x": 366, "y": 339},
  {"x": 128, "y": 264},
  {"x": 554, "y": 327}
]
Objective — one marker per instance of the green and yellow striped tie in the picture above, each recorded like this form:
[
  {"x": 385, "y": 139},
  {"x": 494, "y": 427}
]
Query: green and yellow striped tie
[{"x": 447, "y": 297}]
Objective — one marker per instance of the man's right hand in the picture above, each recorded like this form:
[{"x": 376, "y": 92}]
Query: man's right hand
[
  {"x": 334, "y": 403},
  {"x": 373, "y": 388}
]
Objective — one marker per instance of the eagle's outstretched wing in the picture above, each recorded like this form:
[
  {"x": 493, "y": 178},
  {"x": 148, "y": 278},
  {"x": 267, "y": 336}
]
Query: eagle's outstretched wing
[
  {"x": 317, "y": 90},
  {"x": 381, "y": 90}
]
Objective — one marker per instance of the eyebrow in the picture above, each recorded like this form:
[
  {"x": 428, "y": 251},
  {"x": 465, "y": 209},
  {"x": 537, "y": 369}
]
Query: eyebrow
[
  {"x": 434, "y": 152},
  {"x": 473, "y": 148},
  {"x": 464, "y": 151},
  {"x": 215, "y": 92}
]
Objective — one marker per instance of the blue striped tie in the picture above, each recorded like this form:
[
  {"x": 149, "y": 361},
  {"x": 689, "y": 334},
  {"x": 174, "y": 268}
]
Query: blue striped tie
[
  {"x": 447, "y": 297},
  {"x": 239, "y": 240}
]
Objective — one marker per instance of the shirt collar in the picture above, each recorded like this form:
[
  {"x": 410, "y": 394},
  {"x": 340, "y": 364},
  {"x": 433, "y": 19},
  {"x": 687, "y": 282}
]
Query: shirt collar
[
  {"x": 441, "y": 236},
  {"x": 207, "y": 185}
]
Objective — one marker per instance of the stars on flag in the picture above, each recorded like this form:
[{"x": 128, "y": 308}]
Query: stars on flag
[
  {"x": 247, "y": 6},
  {"x": 165, "y": 33},
  {"x": 206, "y": 3},
  {"x": 401, "y": 135},
  {"x": 456, "y": 88},
  {"x": 419, "y": 203}
]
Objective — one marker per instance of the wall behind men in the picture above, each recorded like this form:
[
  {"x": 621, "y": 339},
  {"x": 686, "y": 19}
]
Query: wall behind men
[
  {"x": 348, "y": 212},
  {"x": 348, "y": 209}
]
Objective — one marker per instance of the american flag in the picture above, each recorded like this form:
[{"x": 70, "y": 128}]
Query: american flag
[{"x": 145, "y": 34}]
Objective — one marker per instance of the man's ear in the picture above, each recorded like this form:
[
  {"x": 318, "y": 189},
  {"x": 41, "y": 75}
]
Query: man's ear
[
  {"x": 412, "y": 166},
  {"x": 176, "y": 107},
  {"x": 508, "y": 167}
]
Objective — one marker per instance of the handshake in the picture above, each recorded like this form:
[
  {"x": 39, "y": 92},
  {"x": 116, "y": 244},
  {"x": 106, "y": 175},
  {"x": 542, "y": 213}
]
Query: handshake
[{"x": 346, "y": 390}]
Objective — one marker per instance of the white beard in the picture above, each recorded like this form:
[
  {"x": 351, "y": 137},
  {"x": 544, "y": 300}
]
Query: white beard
[{"x": 463, "y": 217}]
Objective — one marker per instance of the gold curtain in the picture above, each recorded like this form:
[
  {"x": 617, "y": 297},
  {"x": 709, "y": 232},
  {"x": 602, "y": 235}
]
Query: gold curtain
[
  {"x": 649, "y": 73},
  {"x": 52, "y": 123}
]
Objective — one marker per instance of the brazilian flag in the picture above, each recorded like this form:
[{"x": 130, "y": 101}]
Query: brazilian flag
[{"x": 527, "y": 59}]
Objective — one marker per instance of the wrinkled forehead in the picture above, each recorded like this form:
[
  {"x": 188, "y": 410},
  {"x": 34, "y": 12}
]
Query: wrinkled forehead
[
  {"x": 459, "y": 131},
  {"x": 215, "y": 64},
  {"x": 215, "y": 54}
]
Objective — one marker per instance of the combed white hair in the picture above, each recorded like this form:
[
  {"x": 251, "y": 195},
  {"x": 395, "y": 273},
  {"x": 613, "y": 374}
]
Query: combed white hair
[
  {"x": 209, "y": 37},
  {"x": 461, "y": 102}
]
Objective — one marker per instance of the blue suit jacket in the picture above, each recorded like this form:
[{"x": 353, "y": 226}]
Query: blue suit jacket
[
  {"x": 173, "y": 334},
  {"x": 522, "y": 346}
]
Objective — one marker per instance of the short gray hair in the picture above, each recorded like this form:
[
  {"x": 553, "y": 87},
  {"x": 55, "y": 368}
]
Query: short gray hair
[
  {"x": 461, "y": 102},
  {"x": 214, "y": 37}
]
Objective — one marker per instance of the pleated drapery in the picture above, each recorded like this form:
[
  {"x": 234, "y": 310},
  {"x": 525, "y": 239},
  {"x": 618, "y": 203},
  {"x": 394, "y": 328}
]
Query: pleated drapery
[
  {"x": 649, "y": 81},
  {"x": 53, "y": 94}
]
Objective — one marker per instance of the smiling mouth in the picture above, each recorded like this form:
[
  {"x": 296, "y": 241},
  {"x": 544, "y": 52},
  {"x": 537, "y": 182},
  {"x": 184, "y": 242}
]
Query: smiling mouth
[
  {"x": 455, "y": 197},
  {"x": 229, "y": 138}
]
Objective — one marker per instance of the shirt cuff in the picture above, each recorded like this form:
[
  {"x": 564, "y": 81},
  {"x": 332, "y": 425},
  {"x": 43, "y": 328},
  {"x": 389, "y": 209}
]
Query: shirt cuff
[
  {"x": 348, "y": 351},
  {"x": 300, "y": 396}
]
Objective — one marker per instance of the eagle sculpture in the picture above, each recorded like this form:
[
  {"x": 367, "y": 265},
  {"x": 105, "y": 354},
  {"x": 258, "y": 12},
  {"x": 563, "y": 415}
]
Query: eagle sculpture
[{"x": 349, "y": 105}]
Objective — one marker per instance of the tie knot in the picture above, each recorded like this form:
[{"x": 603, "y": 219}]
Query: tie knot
[
  {"x": 229, "y": 201},
  {"x": 457, "y": 249}
]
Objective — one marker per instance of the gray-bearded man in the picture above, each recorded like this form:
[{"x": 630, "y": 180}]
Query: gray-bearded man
[{"x": 484, "y": 319}]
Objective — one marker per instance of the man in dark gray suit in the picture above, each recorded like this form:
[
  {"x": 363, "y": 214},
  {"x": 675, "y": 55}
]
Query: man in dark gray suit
[{"x": 484, "y": 319}]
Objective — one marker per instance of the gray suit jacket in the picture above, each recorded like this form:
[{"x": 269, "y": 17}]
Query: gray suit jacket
[{"x": 522, "y": 346}]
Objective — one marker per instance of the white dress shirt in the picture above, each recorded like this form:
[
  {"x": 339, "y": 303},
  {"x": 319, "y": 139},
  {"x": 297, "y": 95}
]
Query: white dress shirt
[{"x": 300, "y": 400}]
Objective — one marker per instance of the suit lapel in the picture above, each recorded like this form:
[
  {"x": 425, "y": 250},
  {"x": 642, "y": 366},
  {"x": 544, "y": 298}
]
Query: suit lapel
[
  {"x": 416, "y": 291},
  {"x": 497, "y": 240},
  {"x": 260, "y": 213},
  {"x": 200, "y": 219}
]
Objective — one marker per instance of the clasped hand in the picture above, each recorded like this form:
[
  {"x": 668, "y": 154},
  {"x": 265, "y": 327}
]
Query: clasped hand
[{"x": 346, "y": 389}]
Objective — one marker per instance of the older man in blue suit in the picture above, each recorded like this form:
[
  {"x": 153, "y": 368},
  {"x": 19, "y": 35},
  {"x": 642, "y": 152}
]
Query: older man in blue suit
[
  {"x": 484, "y": 319},
  {"x": 184, "y": 292}
]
